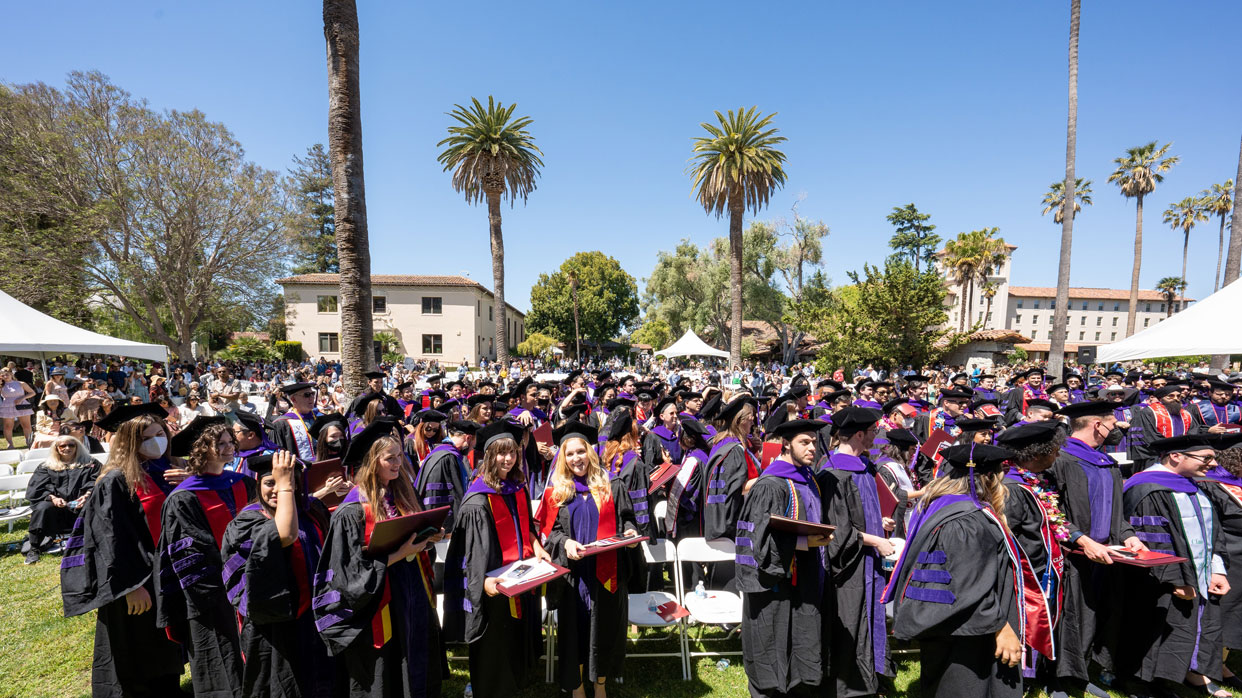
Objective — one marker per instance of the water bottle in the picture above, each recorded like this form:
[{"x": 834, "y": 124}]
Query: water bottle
[
  {"x": 700, "y": 591},
  {"x": 722, "y": 665},
  {"x": 653, "y": 603},
  {"x": 469, "y": 692}
]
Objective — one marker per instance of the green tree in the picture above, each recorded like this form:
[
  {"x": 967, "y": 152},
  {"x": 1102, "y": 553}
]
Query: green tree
[
  {"x": 735, "y": 167},
  {"x": 492, "y": 156},
  {"x": 607, "y": 299},
  {"x": 970, "y": 259},
  {"x": 655, "y": 333},
  {"x": 314, "y": 227},
  {"x": 1183, "y": 216},
  {"x": 915, "y": 237},
  {"x": 535, "y": 344},
  {"x": 1218, "y": 201},
  {"x": 1171, "y": 287},
  {"x": 1137, "y": 174},
  {"x": 1054, "y": 200},
  {"x": 248, "y": 349}
]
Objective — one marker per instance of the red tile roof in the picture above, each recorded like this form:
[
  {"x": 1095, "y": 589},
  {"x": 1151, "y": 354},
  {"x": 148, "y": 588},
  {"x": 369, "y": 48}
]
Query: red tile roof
[
  {"x": 393, "y": 280},
  {"x": 1080, "y": 293}
]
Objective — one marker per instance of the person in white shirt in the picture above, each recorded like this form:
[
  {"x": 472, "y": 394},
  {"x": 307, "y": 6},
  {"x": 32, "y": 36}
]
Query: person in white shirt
[{"x": 193, "y": 408}]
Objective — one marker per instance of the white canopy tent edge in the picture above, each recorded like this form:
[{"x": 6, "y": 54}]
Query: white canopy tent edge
[
  {"x": 27, "y": 332},
  {"x": 1208, "y": 327},
  {"x": 691, "y": 345}
]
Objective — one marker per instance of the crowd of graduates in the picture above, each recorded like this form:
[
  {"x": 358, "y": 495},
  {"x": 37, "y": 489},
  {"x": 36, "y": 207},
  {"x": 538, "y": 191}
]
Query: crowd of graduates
[{"x": 1059, "y": 537}]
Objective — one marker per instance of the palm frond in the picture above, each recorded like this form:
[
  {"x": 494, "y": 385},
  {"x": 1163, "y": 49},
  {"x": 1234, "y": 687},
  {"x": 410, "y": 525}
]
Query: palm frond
[
  {"x": 737, "y": 163},
  {"x": 489, "y": 149}
]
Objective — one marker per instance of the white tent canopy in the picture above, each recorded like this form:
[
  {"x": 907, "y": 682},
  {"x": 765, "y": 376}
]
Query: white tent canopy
[
  {"x": 27, "y": 332},
  {"x": 1207, "y": 327},
  {"x": 691, "y": 345}
]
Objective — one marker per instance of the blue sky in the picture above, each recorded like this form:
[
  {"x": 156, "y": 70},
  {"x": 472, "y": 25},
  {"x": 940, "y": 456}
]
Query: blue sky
[{"x": 958, "y": 107}]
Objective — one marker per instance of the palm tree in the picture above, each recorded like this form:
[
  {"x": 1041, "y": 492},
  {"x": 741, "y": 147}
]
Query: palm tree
[
  {"x": 970, "y": 259},
  {"x": 1233, "y": 258},
  {"x": 990, "y": 253},
  {"x": 1184, "y": 215},
  {"x": 492, "y": 155},
  {"x": 1055, "y": 198},
  {"x": 735, "y": 167},
  {"x": 340, "y": 29},
  {"x": 1137, "y": 174},
  {"x": 1170, "y": 286},
  {"x": 1218, "y": 201},
  {"x": 959, "y": 262},
  {"x": 1076, "y": 190}
]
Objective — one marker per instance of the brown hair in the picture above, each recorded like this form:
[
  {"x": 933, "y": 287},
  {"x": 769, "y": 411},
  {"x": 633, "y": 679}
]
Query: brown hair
[
  {"x": 476, "y": 413},
  {"x": 368, "y": 481},
  {"x": 1231, "y": 460},
  {"x": 123, "y": 452},
  {"x": 487, "y": 471},
  {"x": 615, "y": 448},
  {"x": 734, "y": 427},
  {"x": 372, "y": 411},
  {"x": 204, "y": 448}
]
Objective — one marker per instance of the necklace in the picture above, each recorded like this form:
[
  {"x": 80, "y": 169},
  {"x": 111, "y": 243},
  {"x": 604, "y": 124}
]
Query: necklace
[{"x": 1048, "y": 500}]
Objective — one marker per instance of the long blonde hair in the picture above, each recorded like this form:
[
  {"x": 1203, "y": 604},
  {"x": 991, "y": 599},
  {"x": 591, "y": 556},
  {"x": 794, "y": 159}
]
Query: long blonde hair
[
  {"x": 988, "y": 486},
  {"x": 368, "y": 481},
  {"x": 562, "y": 482},
  {"x": 487, "y": 471},
  {"x": 123, "y": 452},
  {"x": 80, "y": 456},
  {"x": 734, "y": 427}
]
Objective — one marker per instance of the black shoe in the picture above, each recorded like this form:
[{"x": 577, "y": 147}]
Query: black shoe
[
  {"x": 1211, "y": 688},
  {"x": 32, "y": 556}
]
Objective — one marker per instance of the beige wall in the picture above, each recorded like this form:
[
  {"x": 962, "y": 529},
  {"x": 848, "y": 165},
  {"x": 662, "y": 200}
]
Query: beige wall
[
  {"x": 1036, "y": 322},
  {"x": 462, "y": 324}
]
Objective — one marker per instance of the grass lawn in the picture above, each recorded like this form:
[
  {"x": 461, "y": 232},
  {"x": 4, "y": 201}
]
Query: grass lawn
[{"x": 44, "y": 654}]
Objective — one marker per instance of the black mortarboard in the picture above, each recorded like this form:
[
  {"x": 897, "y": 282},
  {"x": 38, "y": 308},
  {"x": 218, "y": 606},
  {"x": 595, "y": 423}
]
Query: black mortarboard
[
  {"x": 1070, "y": 375},
  {"x": 573, "y": 411},
  {"x": 252, "y": 422},
  {"x": 1030, "y": 371},
  {"x": 854, "y": 419},
  {"x": 324, "y": 420},
  {"x": 1183, "y": 443},
  {"x": 123, "y": 413},
  {"x": 1040, "y": 402},
  {"x": 498, "y": 430},
  {"x": 893, "y": 404},
  {"x": 986, "y": 459},
  {"x": 499, "y": 408},
  {"x": 360, "y": 406},
  {"x": 479, "y": 398},
  {"x": 837, "y": 395},
  {"x": 958, "y": 394},
  {"x": 1218, "y": 384},
  {"x": 183, "y": 442},
  {"x": 435, "y": 377},
  {"x": 449, "y": 386},
  {"x": 901, "y": 438},
  {"x": 364, "y": 440},
  {"x": 463, "y": 426},
  {"x": 1057, "y": 386},
  {"x": 574, "y": 428},
  {"x": 711, "y": 406},
  {"x": 261, "y": 464},
  {"x": 986, "y": 375},
  {"x": 620, "y": 402},
  {"x": 690, "y": 395},
  {"x": 793, "y": 427},
  {"x": 619, "y": 424},
  {"x": 645, "y": 394},
  {"x": 959, "y": 377},
  {"x": 569, "y": 379},
  {"x": 697, "y": 430},
  {"x": 429, "y": 415},
  {"x": 403, "y": 386},
  {"x": 603, "y": 376},
  {"x": 916, "y": 379},
  {"x": 975, "y": 424},
  {"x": 734, "y": 406},
  {"x": 829, "y": 383},
  {"x": 291, "y": 388},
  {"x": 1020, "y": 437},
  {"x": 1165, "y": 391},
  {"x": 798, "y": 391},
  {"x": 372, "y": 375},
  {"x": 521, "y": 387},
  {"x": 664, "y": 402},
  {"x": 1087, "y": 409}
]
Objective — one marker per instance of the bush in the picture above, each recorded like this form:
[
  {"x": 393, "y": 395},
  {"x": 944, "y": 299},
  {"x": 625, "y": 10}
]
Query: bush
[{"x": 289, "y": 351}]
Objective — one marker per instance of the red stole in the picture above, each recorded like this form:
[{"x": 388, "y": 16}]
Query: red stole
[
  {"x": 1040, "y": 611},
  {"x": 151, "y": 498},
  {"x": 1164, "y": 422},
  {"x": 1233, "y": 491},
  {"x": 605, "y": 563},
  {"x": 381, "y": 622},
  {"x": 515, "y": 542},
  {"x": 300, "y": 574},
  {"x": 752, "y": 464},
  {"x": 217, "y": 512}
]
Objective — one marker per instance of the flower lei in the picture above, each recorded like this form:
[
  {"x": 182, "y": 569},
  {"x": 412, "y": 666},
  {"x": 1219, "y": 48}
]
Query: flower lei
[{"x": 1048, "y": 500}]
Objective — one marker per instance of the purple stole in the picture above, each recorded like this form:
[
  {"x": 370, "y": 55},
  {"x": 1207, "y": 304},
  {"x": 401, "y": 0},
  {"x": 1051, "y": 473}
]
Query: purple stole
[{"x": 1096, "y": 466}]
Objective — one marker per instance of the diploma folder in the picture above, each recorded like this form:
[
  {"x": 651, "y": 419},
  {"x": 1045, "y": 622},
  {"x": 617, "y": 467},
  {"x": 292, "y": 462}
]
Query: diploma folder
[
  {"x": 317, "y": 475},
  {"x": 524, "y": 575},
  {"x": 938, "y": 440},
  {"x": 1143, "y": 558},
  {"x": 771, "y": 451},
  {"x": 606, "y": 544},
  {"x": 662, "y": 475},
  {"x": 802, "y": 528},
  {"x": 390, "y": 534},
  {"x": 543, "y": 434},
  {"x": 888, "y": 500}
]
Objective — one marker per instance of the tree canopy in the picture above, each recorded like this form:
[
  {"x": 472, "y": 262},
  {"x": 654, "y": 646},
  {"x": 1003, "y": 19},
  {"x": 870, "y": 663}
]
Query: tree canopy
[
  {"x": 607, "y": 299},
  {"x": 914, "y": 238},
  {"x": 314, "y": 223}
]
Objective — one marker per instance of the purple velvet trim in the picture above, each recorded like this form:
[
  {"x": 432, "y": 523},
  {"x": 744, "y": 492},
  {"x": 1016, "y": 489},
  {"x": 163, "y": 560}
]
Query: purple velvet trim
[
  {"x": 930, "y": 595},
  {"x": 1095, "y": 466},
  {"x": 326, "y": 598},
  {"x": 180, "y": 545},
  {"x": 1162, "y": 479},
  {"x": 1148, "y": 521},
  {"x": 237, "y": 590},
  {"x": 584, "y": 524},
  {"x": 186, "y": 562},
  {"x": 234, "y": 563},
  {"x": 77, "y": 524},
  {"x": 73, "y": 542},
  {"x": 745, "y": 526},
  {"x": 789, "y": 471},
  {"x": 842, "y": 461},
  {"x": 1154, "y": 537},
  {"x": 1218, "y": 474},
  {"x": 717, "y": 498},
  {"x": 446, "y": 447},
  {"x": 917, "y": 519},
  {"x": 747, "y": 560},
  {"x": 931, "y": 576},
  {"x": 506, "y": 487},
  {"x": 332, "y": 619},
  {"x": 934, "y": 557},
  {"x": 72, "y": 561},
  {"x": 433, "y": 502},
  {"x": 743, "y": 542},
  {"x": 323, "y": 577},
  {"x": 223, "y": 481},
  {"x": 467, "y": 606},
  {"x": 191, "y": 580},
  {"x": 439, "y": 485},
  {"x": 716, "y": 484}
]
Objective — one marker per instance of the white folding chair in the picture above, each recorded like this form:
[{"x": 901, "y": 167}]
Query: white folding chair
[
  {"x": 37, "y": 454},
  {"x": 719, "y": 607},
  {"x": 6, "y": 470},
  {"x": 29, "y": 466},
  {"x": 14, "y": 486},
  {"x": 10, "y": 457},
  {"x": 658, "y": 552}
]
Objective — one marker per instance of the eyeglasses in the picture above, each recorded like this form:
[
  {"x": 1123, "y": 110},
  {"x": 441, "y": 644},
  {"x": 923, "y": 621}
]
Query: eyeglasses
[{"x": 1206, "y": 460}]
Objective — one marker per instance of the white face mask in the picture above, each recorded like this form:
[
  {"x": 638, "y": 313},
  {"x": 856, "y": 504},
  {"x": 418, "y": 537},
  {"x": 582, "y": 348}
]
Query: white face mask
[{"x": 154, "y": 446}]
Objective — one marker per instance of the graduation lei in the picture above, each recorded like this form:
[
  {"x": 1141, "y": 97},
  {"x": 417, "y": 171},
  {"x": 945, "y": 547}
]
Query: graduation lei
[{"x": 1048, "y": 500}]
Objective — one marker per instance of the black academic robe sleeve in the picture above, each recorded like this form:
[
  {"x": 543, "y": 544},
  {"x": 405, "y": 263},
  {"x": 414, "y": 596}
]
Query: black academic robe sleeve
[
  {"x": 260, "y": 574},
  {"x": 1012, "y": 405},
  {"x": 722, "y": 488},
  {"x": 440, "y": 485},
  {"x": 841, "y": 500},
  {"x": 1142, "y": 432},
  {"x": 1160, "y": 529},
  {"x": 637, "y": 480},
  {"x": 473, "y": 552},
  {"x": 348, "y": 582},
  {"x": 117, "y": 550},
  {"x": 764, "y": 555},
  {"x": 282, "y": 435},
  {"x": 68, "y": 484},
  {"x": 1067, "y": 476},
  {"x": 957, "y": 581},
  {"x": 653, "y": 457}
]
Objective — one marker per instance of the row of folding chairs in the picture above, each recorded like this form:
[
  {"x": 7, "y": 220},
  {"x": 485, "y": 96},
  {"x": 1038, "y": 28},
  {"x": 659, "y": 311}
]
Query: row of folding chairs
[{"x": 13, "y": 505}]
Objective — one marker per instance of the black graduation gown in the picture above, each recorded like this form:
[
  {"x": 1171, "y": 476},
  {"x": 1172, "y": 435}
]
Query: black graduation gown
[
  {"x": 349, "y": 588},
  {"x": 191, "y": 601},
  {"x": 954, "y": 592},
  {"x": 854, "y": 628},
  {"x": 439, "y": 483},
  {"x": 46, "y": 519},
  {"x": 1163, "y": 636},
  {"x": 1143, "y": 431},
  {"x": 284, "y": 656},
  {"x": 281, "y": 434},
  {"x": 133, "y": 658},
  {"x": 1229, "y": 518},
  {"x": 786, "y": 627},
  {"x": 1025, "y": 519},
  {"x": 504, "y": 650},
  {"x": 721, "y": 482},
  {"x": 1090, "y": 610},
  {"x": 653, "y": 442},
  {"x": 591, "y": 621},
  {"x": 900, "y": 494}
]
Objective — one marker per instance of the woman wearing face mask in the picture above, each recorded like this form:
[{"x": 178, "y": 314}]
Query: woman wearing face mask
[
  {"x": 108, "y": 564},
  {"x": 193, "y": 604},
  {"x": 494, "y": 527},
  {"x": 581, "y": 505},
  {"x": 271, "y": 550},
  {"x": 330, "y": 432},
  {"x": 377, "y": 615}
]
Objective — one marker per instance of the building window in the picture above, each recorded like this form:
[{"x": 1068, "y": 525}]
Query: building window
[
  {"x": 478, "y": 312},
  {"x": 327, "y": 304},
  {"x": 989, "y": 317},
  {"x": 329, "y": 342},
  {"x": 433, "y": 344},
  {"x": 1162, "y": 307},
  {"x": 489, "y": 314},
  {"x": 1017, "y": 319},
  {"x": 1034, "y": 319},
  {"x": 1052, "y": 304},
  {"x": 1146, "y": 322},
  {"x": 1019, "y": 302},
  {"x": 1116, "y": 306},
  {"x": 1097, "y": 336},
  {"x": 1114, "y": 336},
  {"x": 1148, "y": 308},
  {"x": 1080, "y": 335},
  {"x": 1114, "y": 321},
  {"x": 1084, "y": 305},
  {"x": 1084, "y": 319},
  {"x": 1101, "y": 306},
  {"x": 1037, "y": 305},
  {"x": 432, "y": 305},
  {"x": 1099, "y": 321},
  {"x": 379, "y": 304}
]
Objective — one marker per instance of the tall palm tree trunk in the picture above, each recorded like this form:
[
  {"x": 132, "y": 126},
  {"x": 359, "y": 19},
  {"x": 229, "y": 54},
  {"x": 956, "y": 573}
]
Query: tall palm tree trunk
[
  {"x": 1060, "y": 317},
  {"x": 735, "y": 278},
  {"x": 961, "y": 325},
  {"x": 1233, "y": 261},
  {"x": 1138, "y": 264},
  {"x": 498, "y": 277},
  {"x": 1185, "y": 254},
  {"x": 1220, "y": 254},
  {"x": 340, "y": 30},
  {"x": 970, "y": 302}
]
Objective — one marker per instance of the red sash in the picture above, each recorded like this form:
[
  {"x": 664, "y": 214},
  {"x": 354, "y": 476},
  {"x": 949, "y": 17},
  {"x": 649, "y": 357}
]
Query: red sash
[
  {"x": 752, "y": 464},
  {"x": 151, "y": 498},
  {"x": 1164, "y": 422},
  {"x": 1041, "y": 611},
  {"x": 515, "y": 544},
  {"x": 217, "y": 512},
  {"x": 605, "y": 563},
  {"x": 381, "y": 622},
  {"x": 1233, "y": 491}
]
